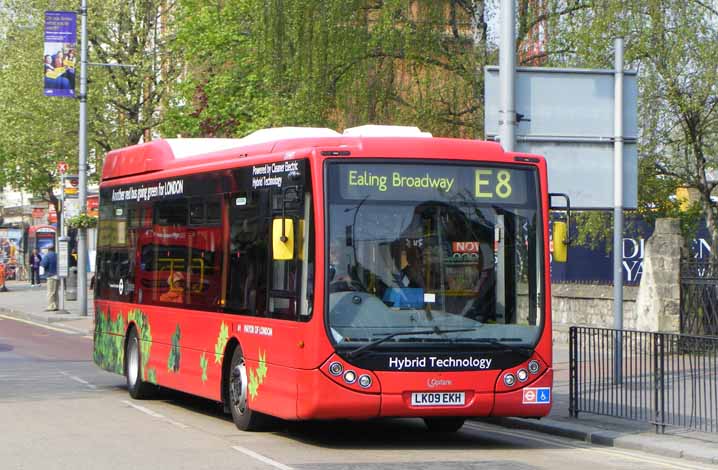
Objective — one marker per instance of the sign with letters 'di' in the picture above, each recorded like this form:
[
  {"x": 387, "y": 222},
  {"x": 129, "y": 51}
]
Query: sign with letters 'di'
[{"x": 60, "y": 53}]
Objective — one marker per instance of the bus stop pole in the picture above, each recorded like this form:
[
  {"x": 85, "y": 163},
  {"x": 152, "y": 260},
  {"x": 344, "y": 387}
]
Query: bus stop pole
[
  {"x": 618, "y": 210},
  {"x": 82, "y": 166},
  {"x": 61, "y": 218}
]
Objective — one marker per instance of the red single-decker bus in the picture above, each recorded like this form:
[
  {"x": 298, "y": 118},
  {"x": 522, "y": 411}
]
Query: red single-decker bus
[{"x": 307, "y": 274}]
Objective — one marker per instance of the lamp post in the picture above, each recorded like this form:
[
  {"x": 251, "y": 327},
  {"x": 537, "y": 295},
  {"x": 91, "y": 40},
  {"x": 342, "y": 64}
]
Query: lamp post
[{"x": 82, "y": 165}]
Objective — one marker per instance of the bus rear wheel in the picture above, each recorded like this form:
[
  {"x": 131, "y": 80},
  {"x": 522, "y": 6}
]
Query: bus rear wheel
[
  {"x": 441, "y": 424},
  {"x": 138, "y": 388},
  {"x": 244, "y": 418}
]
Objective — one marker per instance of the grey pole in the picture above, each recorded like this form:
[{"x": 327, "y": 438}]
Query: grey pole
[
  {"x": 507, "y": 76},
  {"x": 82, "y": 166},
  {"x": 618, "y": 207},
  {"x": 63, "y": 232},
  {"x": 507, "y": 127}
]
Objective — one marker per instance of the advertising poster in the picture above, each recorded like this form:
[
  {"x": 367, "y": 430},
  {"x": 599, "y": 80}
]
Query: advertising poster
[
  {"x": 10, "y": 243},
  {"x": 60, "y": 53},
  {"x": 10, "y": 250}
]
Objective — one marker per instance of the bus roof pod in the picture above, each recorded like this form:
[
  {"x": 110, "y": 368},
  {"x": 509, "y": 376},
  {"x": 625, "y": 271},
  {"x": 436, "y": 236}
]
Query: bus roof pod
[
  {"x": 184, "y": 148},
  {"x": 160, "y": 154},
  {"x": 375, "y": 130},
  {"x": 281, "y": 133}
]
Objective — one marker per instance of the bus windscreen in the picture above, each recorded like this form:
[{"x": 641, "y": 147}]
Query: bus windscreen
[{"x": 434, "y": 247}]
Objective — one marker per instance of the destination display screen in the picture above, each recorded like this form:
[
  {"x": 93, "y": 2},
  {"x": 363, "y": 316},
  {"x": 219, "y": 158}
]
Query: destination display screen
[{"x": 456, "y": 183}]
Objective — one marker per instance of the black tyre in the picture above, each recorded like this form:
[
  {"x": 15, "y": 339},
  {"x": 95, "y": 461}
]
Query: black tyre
[
  {"x": 444, "y": 424},
  {"x": 138, "y": 388},
  {"x": 244, "y": 418}
]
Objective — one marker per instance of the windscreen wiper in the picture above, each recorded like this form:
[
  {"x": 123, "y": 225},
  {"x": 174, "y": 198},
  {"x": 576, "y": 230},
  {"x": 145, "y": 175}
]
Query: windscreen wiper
[
  {"x": 435, "y": 331},
  {"x": 495, "y": 343}
]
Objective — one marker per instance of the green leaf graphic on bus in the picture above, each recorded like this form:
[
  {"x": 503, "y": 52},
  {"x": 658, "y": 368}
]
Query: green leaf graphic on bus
[
  {"x": 203, "y": 366},
  {"x": 256, "y": 378},
  {"x": 140, "y": 320},
  {"x": 253, "y": 384},
  {"x": 173, "y": 362},
  {"x": 262, "y": 368},
  {"x": 109, "y": 351},
  {"x": 221, "y": 342}
]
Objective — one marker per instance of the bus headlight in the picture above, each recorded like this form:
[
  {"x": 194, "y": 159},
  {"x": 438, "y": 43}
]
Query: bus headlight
[
  {"x": 336, "y": 369},
  {"x": 509, "y": 380},
  {"x": 350, "y": 376},
  {"x": 534, "y": 366},
  {"x": 365, "y": 381},
  {"x": 522, "y": 375}
]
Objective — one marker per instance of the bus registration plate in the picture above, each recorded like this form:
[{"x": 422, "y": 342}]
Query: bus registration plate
[{"x": 438, "y": 399}]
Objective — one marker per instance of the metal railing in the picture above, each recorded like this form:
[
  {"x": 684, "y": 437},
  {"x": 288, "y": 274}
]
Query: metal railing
[
  {"x": 661, "y": 378},
  {"x": 699, "y": 297}
]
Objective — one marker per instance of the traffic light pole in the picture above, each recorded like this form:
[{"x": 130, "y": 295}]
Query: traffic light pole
[{"x": 82, "y": 166}]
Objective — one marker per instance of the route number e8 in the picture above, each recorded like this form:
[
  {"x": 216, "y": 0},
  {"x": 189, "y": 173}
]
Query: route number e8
[{"x": 491, "y": 183}]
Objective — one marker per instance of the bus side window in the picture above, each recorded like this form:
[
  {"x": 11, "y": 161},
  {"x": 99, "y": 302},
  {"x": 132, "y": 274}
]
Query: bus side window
[
  {"x": 286, "y": 277},
  {"x": 290, "y": 279},
  {"x": 166, "y": 279},
  {"x": 248, "y": 254},
  {"x": 115, "y": 273}
]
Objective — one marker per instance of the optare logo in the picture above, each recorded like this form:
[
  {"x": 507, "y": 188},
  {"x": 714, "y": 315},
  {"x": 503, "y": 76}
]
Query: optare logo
[
  {"x": 121, "y": 287},
  {"x": 433, "y": 383}
]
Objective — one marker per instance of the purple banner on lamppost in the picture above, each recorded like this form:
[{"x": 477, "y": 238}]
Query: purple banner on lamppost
[{"x": 60, "y": 53}]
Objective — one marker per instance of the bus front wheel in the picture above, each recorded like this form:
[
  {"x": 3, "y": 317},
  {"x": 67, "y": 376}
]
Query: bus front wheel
[
  {"x": 441, "y": 424},
  {"x": 138, "y": 388},
  {"x": 244, "y": 418}
]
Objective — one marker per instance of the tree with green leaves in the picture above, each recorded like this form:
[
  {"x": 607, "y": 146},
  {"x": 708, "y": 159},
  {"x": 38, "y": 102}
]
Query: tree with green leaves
[
  {"x": 125, "y": 104},
  {"x": 259, "y": 63},
  {"x": 672, "y": 44},
  {"x": 36, "y": 132},
  {"x": 254, "y": 64},
  {"x": 128, "y": 103}
]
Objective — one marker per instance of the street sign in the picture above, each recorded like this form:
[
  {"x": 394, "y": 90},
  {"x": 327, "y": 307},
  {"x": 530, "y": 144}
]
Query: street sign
[
  {"x": 62, "y": 167},
  {"x": 63, "y": 256},
  {"x": 71, "y": 207},
  {"x": 566, "y": 115},
  {"x": 70, "y": 185}
]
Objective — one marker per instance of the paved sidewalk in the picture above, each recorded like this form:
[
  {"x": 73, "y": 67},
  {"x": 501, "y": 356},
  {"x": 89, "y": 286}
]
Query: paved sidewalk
[
  {"x": 28, "y": 303},
  {"x": 608, "y": 431}
]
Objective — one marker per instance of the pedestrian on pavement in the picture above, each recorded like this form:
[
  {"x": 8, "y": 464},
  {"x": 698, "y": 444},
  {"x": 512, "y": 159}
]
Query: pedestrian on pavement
[
  {"x": 49, "y": 264},
  {"x": 35, "y": 259}
]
